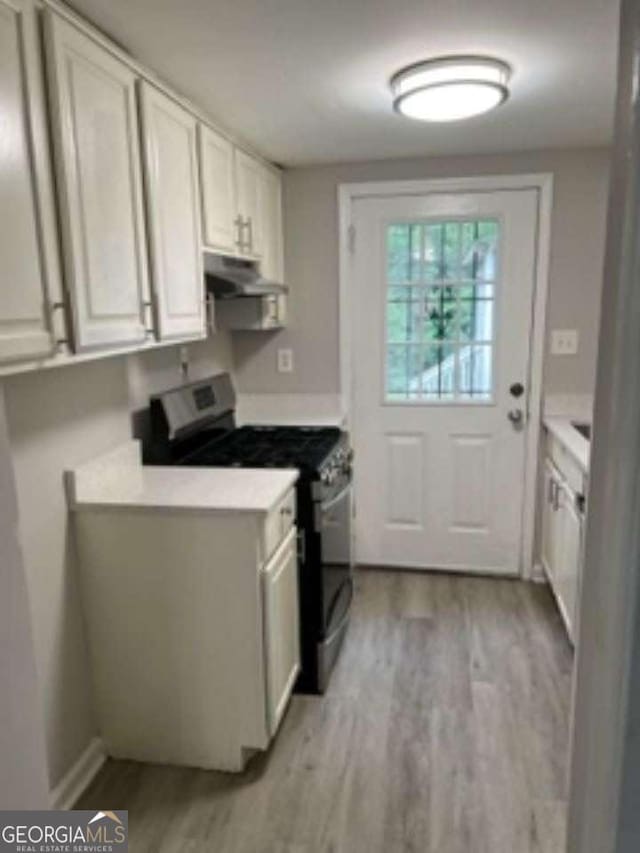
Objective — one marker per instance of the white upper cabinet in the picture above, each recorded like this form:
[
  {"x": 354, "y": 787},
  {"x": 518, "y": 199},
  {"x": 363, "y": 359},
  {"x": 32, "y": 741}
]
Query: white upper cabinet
[
  {"x": 271, "y": 225},
  {"x": 259, "y": 201},
  {"x": 27, "y": 229},
  {"x": 220, "y": 223},
  {"x": 248, "y": 178},
  {"x": 173, "y": 214},
  {"x": 96, "y": 143}
]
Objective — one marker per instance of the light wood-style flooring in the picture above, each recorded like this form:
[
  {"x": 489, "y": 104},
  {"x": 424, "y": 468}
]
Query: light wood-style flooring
[{"x": 445, "y": 730}]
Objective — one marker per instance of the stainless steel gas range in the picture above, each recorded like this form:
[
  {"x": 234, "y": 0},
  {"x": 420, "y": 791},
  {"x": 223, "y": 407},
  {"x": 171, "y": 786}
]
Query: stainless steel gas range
[{"x": 195, "y": 424}]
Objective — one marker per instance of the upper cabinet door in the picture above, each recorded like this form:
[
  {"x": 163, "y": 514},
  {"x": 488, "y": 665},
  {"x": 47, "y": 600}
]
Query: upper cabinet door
[
  {"x": 173, "y": 213},
  {"x": 96, "y": 143},
  {"x": 27, "y": 229},
  {"x": 271, "y": 225},
  {"x": 219, "y": 214},
  {"x": 248, "y": 179}
]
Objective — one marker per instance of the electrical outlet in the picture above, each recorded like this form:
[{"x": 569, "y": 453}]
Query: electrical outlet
[
  {"x": 564, "y": 342},
  {"x": 285, "y": 361}
]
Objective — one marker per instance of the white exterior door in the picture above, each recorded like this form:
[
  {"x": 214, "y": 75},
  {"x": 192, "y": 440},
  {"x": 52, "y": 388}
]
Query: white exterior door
[
  {"x": 95, "y": 133},
  {"x": 24, "y": 310},
  {"x": 173, "y": 213},
  {"x": 442, "y": 313}
]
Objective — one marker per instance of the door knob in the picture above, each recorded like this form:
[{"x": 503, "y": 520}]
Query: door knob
[{"x": 516, "y": 416}]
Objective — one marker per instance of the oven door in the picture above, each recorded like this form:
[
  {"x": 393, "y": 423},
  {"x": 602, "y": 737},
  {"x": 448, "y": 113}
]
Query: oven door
[{"x": 334, "y": 514}]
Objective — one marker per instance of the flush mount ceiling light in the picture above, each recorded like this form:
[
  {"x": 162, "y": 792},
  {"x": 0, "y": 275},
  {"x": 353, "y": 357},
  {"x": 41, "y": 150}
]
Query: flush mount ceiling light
[{"x": 450, "y": 88}]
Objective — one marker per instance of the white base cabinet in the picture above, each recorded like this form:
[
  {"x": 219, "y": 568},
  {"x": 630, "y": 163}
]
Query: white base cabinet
[
  {"x": 562, "y": 537},
  {"x": 193, "y": 629}
]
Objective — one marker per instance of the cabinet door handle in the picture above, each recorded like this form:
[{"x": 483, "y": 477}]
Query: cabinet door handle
[
  {"x": 249, "y": 224},
  {"x": 238, "y": 222}
]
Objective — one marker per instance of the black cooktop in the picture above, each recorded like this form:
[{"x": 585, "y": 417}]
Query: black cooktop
[{"x": 268, "y": 447}]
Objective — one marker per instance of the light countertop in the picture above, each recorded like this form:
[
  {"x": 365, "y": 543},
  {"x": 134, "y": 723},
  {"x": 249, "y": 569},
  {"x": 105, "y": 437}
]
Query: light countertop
[
  {"x": 578, "y": 446},
  {"x": 118, "y": 480}
]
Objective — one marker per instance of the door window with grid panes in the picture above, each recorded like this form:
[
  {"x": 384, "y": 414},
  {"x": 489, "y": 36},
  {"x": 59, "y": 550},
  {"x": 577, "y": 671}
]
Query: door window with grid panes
[{"x": 440, "y": 333}]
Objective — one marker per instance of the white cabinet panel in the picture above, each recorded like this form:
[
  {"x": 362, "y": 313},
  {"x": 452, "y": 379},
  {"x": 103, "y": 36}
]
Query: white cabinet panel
[
  {"x": 249, "y": 176},
  {"x": 281, "y": 625},
  {"x": 173, "y": 212},
  {"x": 570, "y": 555},
  {"x": 96, "y": 144},
  {"x": 26, "y": 258},
  {"x": 219, "y": 215},
  {"x": 562, "y": 544},
  {"x": 270, "y": 225},
  {"x": 550, "y": 519}
]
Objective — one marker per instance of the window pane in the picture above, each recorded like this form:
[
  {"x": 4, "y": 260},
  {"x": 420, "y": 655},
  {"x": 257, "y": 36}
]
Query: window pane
[
  {"x": 404, "y": 252},
  {"x": 475, "y": 379},
  {"x": 396, "y": 371},
  {"x": 479, "y": 250},
  {"x": 404, "y": 320},
  {"x": 440, "y": 322},
  {"x": 404, "y": 369},
  {"x": 438, "y": 371},
  {"x": 442, "y": 251},
  {"x": 475, "y": 318},
  {"x": 439, "y": 314}
]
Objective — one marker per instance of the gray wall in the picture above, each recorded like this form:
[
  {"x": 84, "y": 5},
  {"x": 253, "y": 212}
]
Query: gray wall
[
  {"x": 58, "y": 419},
  {"x": 23, "y": 769},
  {"x": 311, "y": 263}
]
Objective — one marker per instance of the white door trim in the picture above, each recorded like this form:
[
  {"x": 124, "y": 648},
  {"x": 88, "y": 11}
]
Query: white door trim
[{"x": 543, "y": 182}]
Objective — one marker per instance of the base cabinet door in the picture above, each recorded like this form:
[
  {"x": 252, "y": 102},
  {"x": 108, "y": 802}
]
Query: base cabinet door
[
  {"x": 551, "y": 522},
  {"x": 97, "y": 155},
  {"x": 562, "y": 544},
  {"x": 173, "y": 214},
  {"x": 24, "y": 310},
  {"x": 570, "y": 557},
  {"x": 281, "y": 628}
]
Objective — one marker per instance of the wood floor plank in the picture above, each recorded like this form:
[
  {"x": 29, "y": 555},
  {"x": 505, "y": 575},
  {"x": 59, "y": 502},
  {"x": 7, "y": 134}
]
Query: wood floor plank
[{"x": 444, "y": 730}]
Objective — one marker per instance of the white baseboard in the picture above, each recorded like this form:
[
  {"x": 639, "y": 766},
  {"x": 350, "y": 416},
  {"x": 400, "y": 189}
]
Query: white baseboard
[
  {"x": 538, "y": 574},
  {"x": 78, "y": 778}
]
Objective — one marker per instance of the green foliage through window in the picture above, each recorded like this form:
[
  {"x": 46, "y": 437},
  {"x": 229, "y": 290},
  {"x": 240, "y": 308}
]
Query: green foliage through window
[{"x": 440, "y": 309}]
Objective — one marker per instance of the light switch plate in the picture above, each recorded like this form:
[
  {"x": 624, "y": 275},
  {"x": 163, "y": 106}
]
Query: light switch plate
[
  {"x": 285, "y": 361},
  {"x": 564, "y": 342}
]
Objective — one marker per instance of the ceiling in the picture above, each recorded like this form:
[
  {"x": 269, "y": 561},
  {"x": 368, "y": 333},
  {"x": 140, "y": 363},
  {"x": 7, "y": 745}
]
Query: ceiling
[{"x": 306, "y": 81}]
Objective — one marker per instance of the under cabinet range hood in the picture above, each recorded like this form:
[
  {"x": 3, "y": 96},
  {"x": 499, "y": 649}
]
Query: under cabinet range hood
[
  {"x": 228, "y": 278},
  {"x": 244, "y": 300}
]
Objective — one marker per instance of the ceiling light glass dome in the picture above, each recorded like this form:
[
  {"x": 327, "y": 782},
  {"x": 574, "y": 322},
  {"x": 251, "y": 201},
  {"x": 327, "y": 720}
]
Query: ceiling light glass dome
[{"x": 450, "y": 88}]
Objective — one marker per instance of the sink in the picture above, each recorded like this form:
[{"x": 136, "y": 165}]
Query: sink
[{"x": 583, "y": 429}]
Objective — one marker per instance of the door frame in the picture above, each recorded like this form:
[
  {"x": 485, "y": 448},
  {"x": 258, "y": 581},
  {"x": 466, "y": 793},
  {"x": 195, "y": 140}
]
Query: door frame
[{"x": 348, "y": 193}]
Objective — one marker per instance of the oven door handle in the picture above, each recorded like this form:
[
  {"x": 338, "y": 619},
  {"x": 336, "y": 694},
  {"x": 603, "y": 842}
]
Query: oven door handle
[{"x": 327, "y": 640}]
